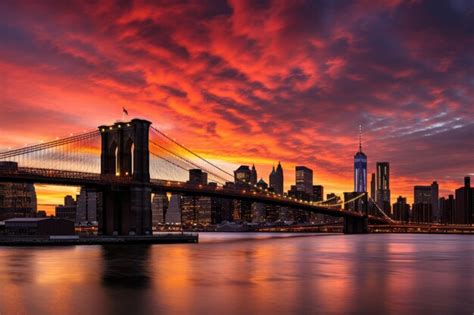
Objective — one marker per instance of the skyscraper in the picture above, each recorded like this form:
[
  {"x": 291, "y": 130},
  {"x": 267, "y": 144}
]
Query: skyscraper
[
  {"x": 68, "y": 210},
  {"x": 304, "y": 179},
  {"x": 464, "y": 203},
  {"x": 427, "y": 195},
  {"x": 383, "y": 186},
  {"x": 276, "y": 179},
  {"x": 447, "y": 209},
  {"x": 360, "y": 168},
  {"x": 372, "y": 187}
]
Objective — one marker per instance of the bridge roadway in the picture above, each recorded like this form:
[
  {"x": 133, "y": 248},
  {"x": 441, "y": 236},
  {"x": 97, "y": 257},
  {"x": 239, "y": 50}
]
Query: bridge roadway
[{"x": 72, "y": 178}]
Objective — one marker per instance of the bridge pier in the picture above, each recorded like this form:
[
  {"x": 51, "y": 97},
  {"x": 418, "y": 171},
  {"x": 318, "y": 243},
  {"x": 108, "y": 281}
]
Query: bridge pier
[
  {"x": 353, "y": 225},
  {"x": 126, "y": 211}
]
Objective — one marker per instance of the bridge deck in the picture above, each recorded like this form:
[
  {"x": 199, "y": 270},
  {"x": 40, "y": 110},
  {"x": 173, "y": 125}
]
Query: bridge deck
[{"x": 62, "y": 177}]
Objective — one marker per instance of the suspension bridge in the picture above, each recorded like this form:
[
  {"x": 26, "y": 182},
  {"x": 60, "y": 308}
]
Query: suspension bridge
[{"x": 128, "y": 161}]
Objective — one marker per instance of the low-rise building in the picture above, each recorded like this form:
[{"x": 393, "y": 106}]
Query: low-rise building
[{"x": 39, "y": 226}]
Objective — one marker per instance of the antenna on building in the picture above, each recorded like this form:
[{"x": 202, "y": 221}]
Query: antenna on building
[{"x": 360, "y": 138}]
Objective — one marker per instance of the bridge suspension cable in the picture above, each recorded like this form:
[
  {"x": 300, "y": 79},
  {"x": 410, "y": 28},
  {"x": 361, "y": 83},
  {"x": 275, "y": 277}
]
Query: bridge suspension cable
[
  {"x": 158, "y": 132},
  {"x": 381, "y": 211},
  {"x": 75, "y": 153},
  {"x": 346, "y": 201},
  {"x": 193, "y": 165},
  {"x": 48, "y": 145}
]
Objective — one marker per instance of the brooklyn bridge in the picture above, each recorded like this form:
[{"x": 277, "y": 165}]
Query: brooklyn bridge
[{"x": 129, "y": 161}]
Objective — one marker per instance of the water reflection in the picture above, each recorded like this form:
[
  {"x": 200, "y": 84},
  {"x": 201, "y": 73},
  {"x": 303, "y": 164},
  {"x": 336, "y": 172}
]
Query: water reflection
[
  {"x": 243, "y": 273},
  {"x": 126, "y": 266}
]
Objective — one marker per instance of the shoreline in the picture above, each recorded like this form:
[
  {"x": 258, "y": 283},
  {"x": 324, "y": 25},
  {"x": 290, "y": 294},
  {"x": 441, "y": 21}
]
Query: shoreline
[{"x": 185, "y": 238}]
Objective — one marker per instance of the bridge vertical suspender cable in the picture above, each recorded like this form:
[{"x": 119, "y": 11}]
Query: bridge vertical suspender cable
[{"x": 190, "y": 151}]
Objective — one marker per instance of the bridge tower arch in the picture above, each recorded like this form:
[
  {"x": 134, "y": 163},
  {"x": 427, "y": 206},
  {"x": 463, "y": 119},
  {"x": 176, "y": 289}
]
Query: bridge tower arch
[{"x": 126, "y": 208}]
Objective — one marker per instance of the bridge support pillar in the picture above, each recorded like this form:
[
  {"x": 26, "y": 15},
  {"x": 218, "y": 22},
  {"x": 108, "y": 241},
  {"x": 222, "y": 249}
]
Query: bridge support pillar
[
  {"x": 354, "y": 225},
  {"x": 140, "y": 210},
  {"x": 125, "y": 157},
  {"x": 126, "y": 211}
]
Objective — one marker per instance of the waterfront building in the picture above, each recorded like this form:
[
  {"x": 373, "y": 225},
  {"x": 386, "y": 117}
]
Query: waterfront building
[
  {"x": 17, "y": 200},
  {"x": 428, "y": 195},
  {"x": 196, "y": 210},
  {"x": 173, "y": 215},
  {"x": 39, "y": 226},
  {"x": 159, "y": 207},
  {"x": 276, "y": 179},
  {"x": 68, "y": 210},
  {"x": 225, "y": 210},
  {"x": 259, "y": 209},
  {"x": 422, "y": 213},
  {"x": 298, "y": 215},
  {"x": 242, "y": 211},
  {"x": 89, "y": 205},
  {"x": 435, "y": 201},
  {"x": 189, "y": 209},
  {"x": 383, "y": 187}
]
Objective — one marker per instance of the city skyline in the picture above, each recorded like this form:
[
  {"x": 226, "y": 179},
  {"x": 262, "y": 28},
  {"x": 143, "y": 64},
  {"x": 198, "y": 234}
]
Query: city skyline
[{"x": 217, "y": 83}]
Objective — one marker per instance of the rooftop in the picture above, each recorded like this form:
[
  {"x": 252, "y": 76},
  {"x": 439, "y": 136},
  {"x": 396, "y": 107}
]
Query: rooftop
[{"x": 25, "y": 219}]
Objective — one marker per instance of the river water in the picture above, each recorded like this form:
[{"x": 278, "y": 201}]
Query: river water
[{"x": 246, "y": 273}]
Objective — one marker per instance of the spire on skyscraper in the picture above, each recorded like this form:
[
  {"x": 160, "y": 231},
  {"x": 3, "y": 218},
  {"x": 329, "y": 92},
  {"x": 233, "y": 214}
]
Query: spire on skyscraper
[{"x": 360, "y": 167}]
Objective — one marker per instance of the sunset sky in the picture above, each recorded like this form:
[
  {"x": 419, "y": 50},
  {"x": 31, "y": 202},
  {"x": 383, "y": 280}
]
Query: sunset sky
[{"x": 253, "y": 81}]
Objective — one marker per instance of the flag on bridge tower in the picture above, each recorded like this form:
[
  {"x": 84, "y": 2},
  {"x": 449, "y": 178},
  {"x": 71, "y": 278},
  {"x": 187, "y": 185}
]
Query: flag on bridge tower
[{"x": 124, "y": 112}]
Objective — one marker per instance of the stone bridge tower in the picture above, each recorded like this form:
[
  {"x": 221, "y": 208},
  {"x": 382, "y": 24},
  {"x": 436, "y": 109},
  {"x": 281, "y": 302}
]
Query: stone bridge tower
[{"x": 125, "y": 155}]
